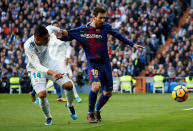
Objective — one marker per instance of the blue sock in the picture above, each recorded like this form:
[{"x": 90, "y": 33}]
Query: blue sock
[
  {"x": 101, "y": 102},
  {"x": 92, "y": 101},
  {"x": 33, "y": 92},
  {"x": 58, "y": 91}
]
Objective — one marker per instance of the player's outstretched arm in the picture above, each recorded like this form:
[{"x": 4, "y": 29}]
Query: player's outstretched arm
[
  {"x": 64, "y": 33},
  {"x": 118, "y": 35},
  {"x": 61, "y": 33}
]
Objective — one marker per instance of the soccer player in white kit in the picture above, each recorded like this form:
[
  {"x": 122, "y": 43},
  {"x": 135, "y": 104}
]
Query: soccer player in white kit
[
  {"x": 41, "y": 67},
  {"x": 60, "y": 51}
]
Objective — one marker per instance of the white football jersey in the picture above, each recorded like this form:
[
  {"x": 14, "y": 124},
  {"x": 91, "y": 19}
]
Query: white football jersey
[
  {"x": 59, "y": 50},
  {"x": 38, "y": 56}
]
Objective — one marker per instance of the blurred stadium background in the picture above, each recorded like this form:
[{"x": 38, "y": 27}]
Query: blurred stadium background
[{"x": 164, "y": 27}]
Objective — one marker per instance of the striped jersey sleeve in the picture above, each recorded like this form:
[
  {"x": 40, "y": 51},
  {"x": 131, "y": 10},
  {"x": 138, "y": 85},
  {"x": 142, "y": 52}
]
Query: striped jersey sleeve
[{"x": 118, "y": 35}]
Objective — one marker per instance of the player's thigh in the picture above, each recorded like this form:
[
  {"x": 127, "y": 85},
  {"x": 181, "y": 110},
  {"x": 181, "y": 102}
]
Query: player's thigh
[
  {"x": 65, "y": 80},
  {"x": 38, "y": 80},
  {"x": 107, "y": 79},
  {"x": 67, "y": 70},
  {"x": 94, "y": 73}
]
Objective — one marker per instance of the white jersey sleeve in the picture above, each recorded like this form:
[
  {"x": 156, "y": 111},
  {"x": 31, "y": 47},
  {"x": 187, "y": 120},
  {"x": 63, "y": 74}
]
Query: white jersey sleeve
[
  {"x": 51, "y": 29},
  {"x": 33, "y": 59}
]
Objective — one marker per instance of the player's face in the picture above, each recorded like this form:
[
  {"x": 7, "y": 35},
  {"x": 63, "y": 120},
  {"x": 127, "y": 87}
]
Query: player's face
[
  {"x": 100, "y": 19},
  {"x": 44, "y": 40}
]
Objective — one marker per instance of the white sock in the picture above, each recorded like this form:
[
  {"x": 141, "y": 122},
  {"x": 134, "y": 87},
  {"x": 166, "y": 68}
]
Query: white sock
[
  {"x": 44, "y": 105},
  {"x": 69, "y": 97},
  {"x": 74, "y": 90},
  {"x": 49, "y": 84}
]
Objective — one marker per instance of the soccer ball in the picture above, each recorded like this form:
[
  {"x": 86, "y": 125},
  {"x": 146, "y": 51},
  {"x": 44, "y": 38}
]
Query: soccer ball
[{"x": 180, "y": 93}]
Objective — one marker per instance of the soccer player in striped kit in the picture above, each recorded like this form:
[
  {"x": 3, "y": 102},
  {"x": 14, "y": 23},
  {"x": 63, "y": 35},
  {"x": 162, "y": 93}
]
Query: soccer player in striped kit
[{"x": 93, "y": 38}]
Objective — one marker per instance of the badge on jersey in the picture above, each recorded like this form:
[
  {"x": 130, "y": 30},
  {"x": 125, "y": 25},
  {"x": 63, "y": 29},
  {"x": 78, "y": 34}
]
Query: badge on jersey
[
  {"x": 36, "y": 80},
  {"x": 33, "y": 56}
]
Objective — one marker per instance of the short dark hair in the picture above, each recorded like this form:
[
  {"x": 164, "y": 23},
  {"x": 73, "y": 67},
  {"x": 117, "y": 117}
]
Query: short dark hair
[
  {"x": 98, "y": 10},
  {"x": 54, "y": 22},
  {"x": 40, "y": 31}
]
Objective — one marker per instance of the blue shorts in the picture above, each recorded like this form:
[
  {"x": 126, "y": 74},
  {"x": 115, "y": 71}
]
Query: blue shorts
[{"x": 101, "y": 72}]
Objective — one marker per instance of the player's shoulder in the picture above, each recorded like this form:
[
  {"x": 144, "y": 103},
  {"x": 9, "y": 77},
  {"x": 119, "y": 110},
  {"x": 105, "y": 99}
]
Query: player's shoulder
[
  {"x": 79, "y": 28},
  {"x": 83, "y": 26},
  {"x": 49, "y": 26},
  {"x": 29, "y": 44},
  {"x": 107, "y": 25}
]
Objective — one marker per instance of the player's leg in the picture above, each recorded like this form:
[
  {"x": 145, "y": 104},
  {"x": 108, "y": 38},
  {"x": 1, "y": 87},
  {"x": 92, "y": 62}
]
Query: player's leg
[
  {"x": 32, "y": 95},
  {"x": 78, "y": 99},
  {"x": 94, "y": 75},
  {"x": 92, "y": 101},
  {"x": 101, "y": 102},
  {"x": 66, "y": 84},
  {"x": 107, "y": 80},
  {"x": 39, "y": 85},
  {"x": 69, "y": 71},
  {"x": 59, "y": 93},
  {"x": 57, "y": 88},
  {"x": 70, "y": 96},
  {"x": 44, "y": 105}
]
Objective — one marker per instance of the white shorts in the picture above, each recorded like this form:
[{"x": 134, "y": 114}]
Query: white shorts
[
  {"x": 64, "y": 68},
  {"x": 38, "y": 79}
]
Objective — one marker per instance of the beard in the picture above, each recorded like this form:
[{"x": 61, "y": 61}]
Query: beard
[{"x": 99, "y": 24}]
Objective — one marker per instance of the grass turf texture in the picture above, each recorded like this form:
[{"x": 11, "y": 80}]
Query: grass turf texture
[{"x": 147, "y": 112}]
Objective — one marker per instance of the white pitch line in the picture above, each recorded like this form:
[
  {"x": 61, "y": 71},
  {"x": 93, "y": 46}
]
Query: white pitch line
[{"x": 188, "y": 109}]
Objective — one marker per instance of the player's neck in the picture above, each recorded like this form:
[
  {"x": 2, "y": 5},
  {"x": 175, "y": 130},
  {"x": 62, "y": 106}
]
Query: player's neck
[{"x": 93, "y": 24}]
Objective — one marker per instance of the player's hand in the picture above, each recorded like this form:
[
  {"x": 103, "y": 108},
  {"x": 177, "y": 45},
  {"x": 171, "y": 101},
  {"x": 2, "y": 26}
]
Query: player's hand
[
  {"x": 61, "y": 33},
  {"x": 138, "y": 46},
  {"x": 58, "y": 34},
  {"x": 64, "y": 32},
  {"x": 56, "y": 75}
]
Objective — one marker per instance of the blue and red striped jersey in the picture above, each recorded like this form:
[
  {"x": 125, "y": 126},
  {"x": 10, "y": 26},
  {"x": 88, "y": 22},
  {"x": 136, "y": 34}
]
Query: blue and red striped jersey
[{"x": 94, "y": 40}]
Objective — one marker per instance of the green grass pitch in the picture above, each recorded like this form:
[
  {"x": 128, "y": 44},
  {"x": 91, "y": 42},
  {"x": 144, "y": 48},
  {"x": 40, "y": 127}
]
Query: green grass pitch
[{"x": 133, "y": 112}]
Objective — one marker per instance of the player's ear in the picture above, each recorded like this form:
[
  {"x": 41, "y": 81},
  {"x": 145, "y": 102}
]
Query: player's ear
[
  {"x": 93, "y": 17},
  {"x": 37, "y": 38}
]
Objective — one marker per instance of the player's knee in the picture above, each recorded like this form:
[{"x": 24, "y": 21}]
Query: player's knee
[
  {"x": 68, "y": 86},
  {"x": 42, "y": 94},
  {"x": 96, "y": 86},
  {"x": 109, "y": 93}
]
